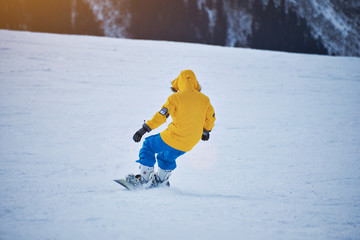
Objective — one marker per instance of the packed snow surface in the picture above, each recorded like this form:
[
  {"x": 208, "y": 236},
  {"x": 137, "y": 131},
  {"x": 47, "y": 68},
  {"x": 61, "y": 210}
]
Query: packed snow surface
[{"x": 283, "y": 161}]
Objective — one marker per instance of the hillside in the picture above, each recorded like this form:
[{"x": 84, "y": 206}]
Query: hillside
[
  {"x": 282, "y": 161},
  {"x": 329, "y": 27}
]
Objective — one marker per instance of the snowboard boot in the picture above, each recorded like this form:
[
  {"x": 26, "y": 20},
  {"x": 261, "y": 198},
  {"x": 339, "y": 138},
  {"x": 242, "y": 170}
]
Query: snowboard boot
[
  {"x": 162, "y": 178},
  {"x": 143, "y": 180},
  {"x": 146, "y": 172},
  {"x": 146, "y": 176}
]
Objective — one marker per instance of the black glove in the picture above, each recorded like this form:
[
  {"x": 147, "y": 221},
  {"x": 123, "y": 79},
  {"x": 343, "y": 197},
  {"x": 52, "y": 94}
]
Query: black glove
[
  {"x": 137, "y": 136},
  {"x": 206, "y": 135}
]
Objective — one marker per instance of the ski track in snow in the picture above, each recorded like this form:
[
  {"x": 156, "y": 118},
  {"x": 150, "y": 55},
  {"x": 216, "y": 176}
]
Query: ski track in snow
[{"x": 283, "y": 161}]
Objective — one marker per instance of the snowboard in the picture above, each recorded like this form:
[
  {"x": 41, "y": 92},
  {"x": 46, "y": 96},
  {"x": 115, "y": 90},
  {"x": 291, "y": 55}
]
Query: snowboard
[
  {"x": 131, "y": 187},
  {"x": 125, "y": 184}
]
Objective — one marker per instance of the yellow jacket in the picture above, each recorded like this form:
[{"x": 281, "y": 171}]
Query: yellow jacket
[{"x": 190, "y": 111}]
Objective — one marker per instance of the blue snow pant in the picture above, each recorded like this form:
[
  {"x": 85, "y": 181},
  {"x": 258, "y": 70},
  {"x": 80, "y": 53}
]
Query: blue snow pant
[{"x": 166, "y": 155}]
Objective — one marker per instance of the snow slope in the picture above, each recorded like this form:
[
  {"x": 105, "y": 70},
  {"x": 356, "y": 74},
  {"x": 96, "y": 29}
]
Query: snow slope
[{"x": 283, "y": 161}]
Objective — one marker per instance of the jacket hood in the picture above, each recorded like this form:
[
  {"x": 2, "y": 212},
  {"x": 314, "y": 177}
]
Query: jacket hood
[{"x": 186, "y": 80}]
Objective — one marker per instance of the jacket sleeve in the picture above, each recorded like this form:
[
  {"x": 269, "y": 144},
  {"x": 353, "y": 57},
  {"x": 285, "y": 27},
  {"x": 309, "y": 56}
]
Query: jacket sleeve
[
  {"x": 160, "y": 117},
  {"x": 210, "y": 118}
]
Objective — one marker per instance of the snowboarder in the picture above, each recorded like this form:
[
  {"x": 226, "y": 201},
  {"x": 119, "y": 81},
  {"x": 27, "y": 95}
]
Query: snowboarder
[{"x": 193, "y": 118}]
